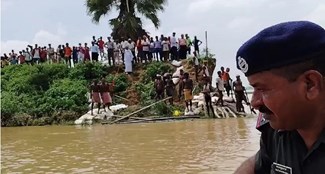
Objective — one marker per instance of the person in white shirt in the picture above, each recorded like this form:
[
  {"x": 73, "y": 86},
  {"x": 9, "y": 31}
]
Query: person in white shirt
[
  {"x": 173, "y": 45},
  {"x": 145, "y": 48},
  {"x": 124, "y": 44},
  {"x": 205, "y": 69},
  {"x": 182, "y": 47},
  {"x": 110, "y": 51},
  {"x": 36, "y": 54},
  {"x": 220, "y": 87},
  {"x": 152, "y": 50},
  {"x": 165, "y": 48},
  {"x": 81, "y": 53},
  {"x": 28, "y": 56},
  {"x": 158, "y": 49},
  {"x": 117, "y": 47},
  {"x": 50, "y": 52},
  {"x": 58, "y": 54},
  {"x": 94, "y": 52},
  {"x": 132, "y": 48},
  {"x": 128, "y": 60}
]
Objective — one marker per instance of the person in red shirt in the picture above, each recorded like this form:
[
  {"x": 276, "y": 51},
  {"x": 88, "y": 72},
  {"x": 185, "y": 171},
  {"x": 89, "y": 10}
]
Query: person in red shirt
[
  {"x": 86, "y": 53},
  {"x": 43, "y": 55},
  {"x": 101, "y": 44},
  {"x": 21, "y": 57},
  {"x": 227, "y": 81},
  {"x": 140, "y": 51},
  {"x": 67, "y": 54}
]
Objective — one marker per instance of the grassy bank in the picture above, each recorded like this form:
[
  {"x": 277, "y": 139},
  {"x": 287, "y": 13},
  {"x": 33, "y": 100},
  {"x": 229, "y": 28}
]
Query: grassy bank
[{"x": 55, "y": 94}]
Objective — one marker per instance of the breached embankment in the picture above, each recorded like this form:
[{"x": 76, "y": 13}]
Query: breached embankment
[{"x": 110, "y": 116}]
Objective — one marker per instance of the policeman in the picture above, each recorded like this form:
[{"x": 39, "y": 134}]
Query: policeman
[{"x": 285, "y": 64}]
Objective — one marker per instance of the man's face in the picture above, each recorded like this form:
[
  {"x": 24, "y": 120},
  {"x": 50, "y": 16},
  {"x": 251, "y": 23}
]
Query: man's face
[{"x": 284, "y": 103}]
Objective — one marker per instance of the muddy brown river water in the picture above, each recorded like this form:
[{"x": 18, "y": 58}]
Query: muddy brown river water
[{"x": 197, "y": 146}]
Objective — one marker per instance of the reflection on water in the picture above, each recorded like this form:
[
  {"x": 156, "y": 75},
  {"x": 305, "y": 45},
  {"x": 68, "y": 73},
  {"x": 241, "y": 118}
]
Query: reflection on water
[{"x": 199, "y": 146}]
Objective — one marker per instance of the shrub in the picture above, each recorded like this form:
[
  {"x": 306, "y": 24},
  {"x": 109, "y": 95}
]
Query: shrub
[
  {"x": 121, "y": 82},
  {"x": 155, "y": 68},
  {"x": 88, "y": 71},
  {"x": 146, "y": 92},
  {"x": 39, "y": 92},
  {"x": 66, "y": 94},
  {"x": 163, "y": 109}
]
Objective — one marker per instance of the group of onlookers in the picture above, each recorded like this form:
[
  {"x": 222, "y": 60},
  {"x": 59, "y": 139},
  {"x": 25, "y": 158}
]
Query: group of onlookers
[
  {"x": 144, "y": 49},
  {"x": 225, "y": 83},
  {"x": 184, "y": 88}
]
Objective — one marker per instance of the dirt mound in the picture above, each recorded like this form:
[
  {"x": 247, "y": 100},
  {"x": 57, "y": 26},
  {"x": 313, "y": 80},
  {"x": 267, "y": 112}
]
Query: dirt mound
[{"x": 132, "y": 95}]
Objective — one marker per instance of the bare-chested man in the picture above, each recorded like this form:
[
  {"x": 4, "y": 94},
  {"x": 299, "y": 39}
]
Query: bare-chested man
[
  {"x": 188, "y": 88},
  {"x": 207, "y": 88},
  {"x": 159, "y": 87},
  {"x": 95, "y": 95},
  {"x": 170, "y": 88},
  {"x": 180, "y": 83},
  {"x": 239, "y": 94}
]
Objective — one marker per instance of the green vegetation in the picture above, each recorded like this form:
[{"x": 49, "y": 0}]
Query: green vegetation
[
  {"x": 49, "y": 94},
  {"x": 55, "y": 94},
  {"x": 144, "y": 87}
]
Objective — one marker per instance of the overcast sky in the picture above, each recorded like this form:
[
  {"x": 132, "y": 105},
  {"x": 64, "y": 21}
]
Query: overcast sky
[{"x": 229, "y": 22}]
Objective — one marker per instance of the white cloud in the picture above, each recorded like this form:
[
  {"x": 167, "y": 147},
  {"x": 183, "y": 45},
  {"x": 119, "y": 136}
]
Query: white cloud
[
  {"x": 42, "y": 38},
  {"x": 16, "y": 45}
]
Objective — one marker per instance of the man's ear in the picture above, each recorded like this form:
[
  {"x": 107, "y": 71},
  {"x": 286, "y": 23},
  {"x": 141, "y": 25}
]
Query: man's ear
[{"x": 314, "y": 84}]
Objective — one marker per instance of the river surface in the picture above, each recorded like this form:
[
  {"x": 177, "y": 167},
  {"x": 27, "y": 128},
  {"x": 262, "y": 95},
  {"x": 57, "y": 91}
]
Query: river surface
[{"x": 197, "y": 146}]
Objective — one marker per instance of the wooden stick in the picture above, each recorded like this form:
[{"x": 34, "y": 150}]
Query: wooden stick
[
  {"x": 159, "y": 119},
  {"x": 121, "y": 97},
  {"x": 135, "y": 118},
  {"x": 139, "y": 110}
]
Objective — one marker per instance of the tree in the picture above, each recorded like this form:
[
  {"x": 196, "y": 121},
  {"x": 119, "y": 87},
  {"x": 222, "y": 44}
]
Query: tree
[{"x": 127, "y": 24}]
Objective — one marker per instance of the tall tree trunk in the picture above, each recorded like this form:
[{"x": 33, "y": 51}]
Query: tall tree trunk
[{"x": 127, "y": 5}]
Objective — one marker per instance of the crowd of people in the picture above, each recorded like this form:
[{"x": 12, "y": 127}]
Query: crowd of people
[
  {"x": 102, "y": 92},
  {"x": 164, "y": 86},
  {"x": 144, "y": 49}
]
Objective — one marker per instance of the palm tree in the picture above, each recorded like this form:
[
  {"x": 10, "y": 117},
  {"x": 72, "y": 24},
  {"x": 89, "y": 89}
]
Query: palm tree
[{"x": 127, "y": 23}]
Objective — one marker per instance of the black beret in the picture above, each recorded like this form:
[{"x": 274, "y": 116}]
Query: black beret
[{"x": 281, "y": 45}]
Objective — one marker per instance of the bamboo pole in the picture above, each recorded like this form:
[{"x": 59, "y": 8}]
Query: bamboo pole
[
  {"x": 161, "y": 119},
  {"x": 206, "y": 44},
  {"x": 146, "y": 107},
  {"x": 121, "y": 97}
]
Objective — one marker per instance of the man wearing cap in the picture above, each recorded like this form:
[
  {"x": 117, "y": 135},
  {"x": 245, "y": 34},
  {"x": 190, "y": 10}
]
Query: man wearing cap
[{"x": 285, "y": 64}]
